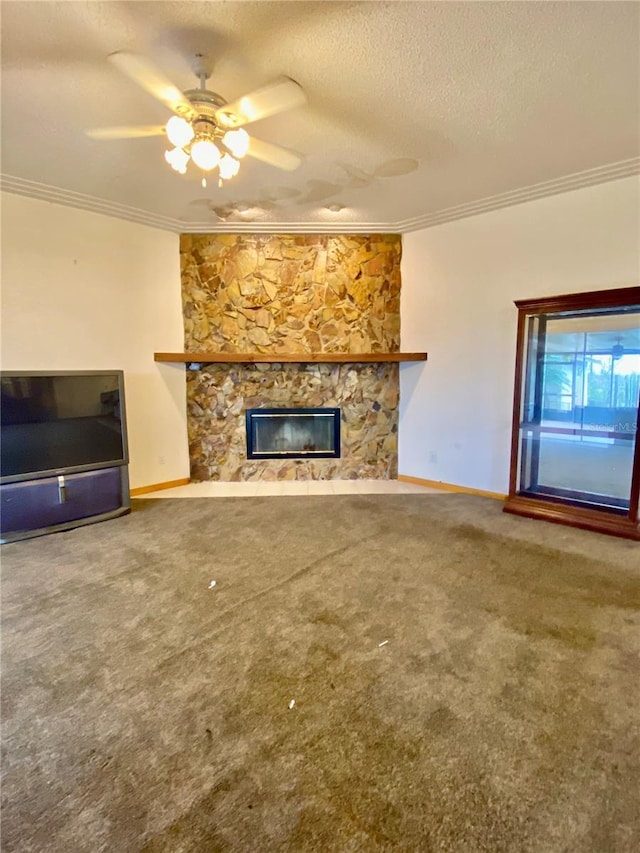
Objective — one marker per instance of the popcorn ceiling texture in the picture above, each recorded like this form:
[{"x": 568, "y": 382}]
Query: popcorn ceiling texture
[{"x": 292, "y": 294}]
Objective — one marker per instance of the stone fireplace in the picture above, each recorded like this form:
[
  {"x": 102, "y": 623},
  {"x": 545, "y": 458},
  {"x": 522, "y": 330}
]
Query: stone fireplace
[{"x": 292, "y": 295}]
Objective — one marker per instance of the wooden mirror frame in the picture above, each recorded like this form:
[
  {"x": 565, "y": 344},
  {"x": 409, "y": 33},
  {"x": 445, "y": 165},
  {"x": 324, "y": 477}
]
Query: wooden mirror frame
[{"x": 605, "y": 521}]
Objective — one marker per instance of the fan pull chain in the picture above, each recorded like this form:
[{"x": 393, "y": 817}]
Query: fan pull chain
[{"x": 204, "y": 182}]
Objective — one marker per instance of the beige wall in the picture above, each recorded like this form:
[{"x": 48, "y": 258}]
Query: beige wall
[
  {"x": 459, "y": 281},
  {"x": 86, "y": 291}
]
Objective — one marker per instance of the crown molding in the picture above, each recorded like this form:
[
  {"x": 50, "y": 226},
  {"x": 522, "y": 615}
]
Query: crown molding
[
  {"x": 577, "y": 180},
  {"x": 68, "y": 198},
  {"x": 265, "y": 227},
  {"x": 574, "y": 181},
  {"x": 58, "y": 195}
]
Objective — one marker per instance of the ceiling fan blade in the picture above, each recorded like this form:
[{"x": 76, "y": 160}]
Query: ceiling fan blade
[
  {"x": 282, "y": 94},
  {"x": 274, "y": 155},
  {"x": 131, "y": 132},
  {"x": 143, "y": 72}
]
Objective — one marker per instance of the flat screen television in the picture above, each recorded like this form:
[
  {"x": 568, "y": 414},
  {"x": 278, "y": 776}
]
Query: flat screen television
[{"x": 60, "y": 423}]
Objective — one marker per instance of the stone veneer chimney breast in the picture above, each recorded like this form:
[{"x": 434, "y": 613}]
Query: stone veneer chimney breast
[{"x": 292, "y": 294}]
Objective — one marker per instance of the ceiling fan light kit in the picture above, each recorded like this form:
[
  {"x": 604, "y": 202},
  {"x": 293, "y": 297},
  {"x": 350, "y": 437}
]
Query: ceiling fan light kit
[
  {"x": 177, "y": 159},
  {"x": 205, "y": 129},
  {"x": 204, "y": 154},
  {"x": 207, "y": 145},
  {"x": 179, "y": 131}
]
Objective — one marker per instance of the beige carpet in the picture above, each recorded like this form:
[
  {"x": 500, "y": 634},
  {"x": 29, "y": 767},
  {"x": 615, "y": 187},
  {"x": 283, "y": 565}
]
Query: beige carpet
[{"x": 463, "y": 681}]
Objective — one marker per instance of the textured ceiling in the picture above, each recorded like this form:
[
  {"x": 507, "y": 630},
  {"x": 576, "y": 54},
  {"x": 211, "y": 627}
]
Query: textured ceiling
[{"x": 417, "y": 112}]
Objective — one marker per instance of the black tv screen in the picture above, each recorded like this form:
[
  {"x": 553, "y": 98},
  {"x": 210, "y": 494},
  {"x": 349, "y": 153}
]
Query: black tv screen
[{"x": 53, "y": 423}]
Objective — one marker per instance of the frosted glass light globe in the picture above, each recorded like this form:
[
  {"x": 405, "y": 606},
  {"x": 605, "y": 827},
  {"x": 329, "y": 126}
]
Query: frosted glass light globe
[
  {"x": 205, "y": 154},
  {"x": 228, "y": 167},
  {"x": 237, "y": 141},
  {"x": 177, "y": 159},
  {"x": 179, "y": 131}
]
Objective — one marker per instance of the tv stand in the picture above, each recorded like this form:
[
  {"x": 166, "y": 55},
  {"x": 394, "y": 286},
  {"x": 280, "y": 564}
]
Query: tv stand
[{"x": 46, "y": 505}]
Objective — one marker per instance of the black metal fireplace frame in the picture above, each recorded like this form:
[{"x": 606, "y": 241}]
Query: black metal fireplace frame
[{"x": 250, "y": 418}]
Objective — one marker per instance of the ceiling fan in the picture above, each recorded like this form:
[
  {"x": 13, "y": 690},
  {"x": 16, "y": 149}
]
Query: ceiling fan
[
  {"x": 205, "y": 129},
  {"x": 617, "y": 350}
]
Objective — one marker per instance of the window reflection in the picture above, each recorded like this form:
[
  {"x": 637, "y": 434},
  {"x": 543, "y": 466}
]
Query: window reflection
[{"x": 580, "y": 406}]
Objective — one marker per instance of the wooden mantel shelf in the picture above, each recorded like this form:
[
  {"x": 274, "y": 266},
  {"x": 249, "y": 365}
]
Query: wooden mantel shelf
[{"x": 296, "y": 357}]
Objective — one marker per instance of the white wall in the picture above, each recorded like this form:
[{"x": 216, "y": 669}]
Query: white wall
[
  {"x": 459, "y": 281},
  {"x": 86, "y": 291}
]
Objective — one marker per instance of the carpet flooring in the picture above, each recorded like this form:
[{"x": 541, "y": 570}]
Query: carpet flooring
[{"x": 368, "y": 673}]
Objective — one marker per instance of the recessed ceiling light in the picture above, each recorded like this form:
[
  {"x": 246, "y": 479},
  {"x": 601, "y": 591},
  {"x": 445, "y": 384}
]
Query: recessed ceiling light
[{"x": 335, "y": 208}]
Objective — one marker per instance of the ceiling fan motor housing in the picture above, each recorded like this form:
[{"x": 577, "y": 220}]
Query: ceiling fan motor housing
[
  {"x": 205, "y": 102},
  {"x": 206, "y": 125}
]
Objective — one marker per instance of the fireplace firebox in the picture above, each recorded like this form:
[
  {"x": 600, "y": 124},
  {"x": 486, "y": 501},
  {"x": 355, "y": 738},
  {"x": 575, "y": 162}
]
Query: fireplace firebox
[{"x": 293, "y": 433}]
